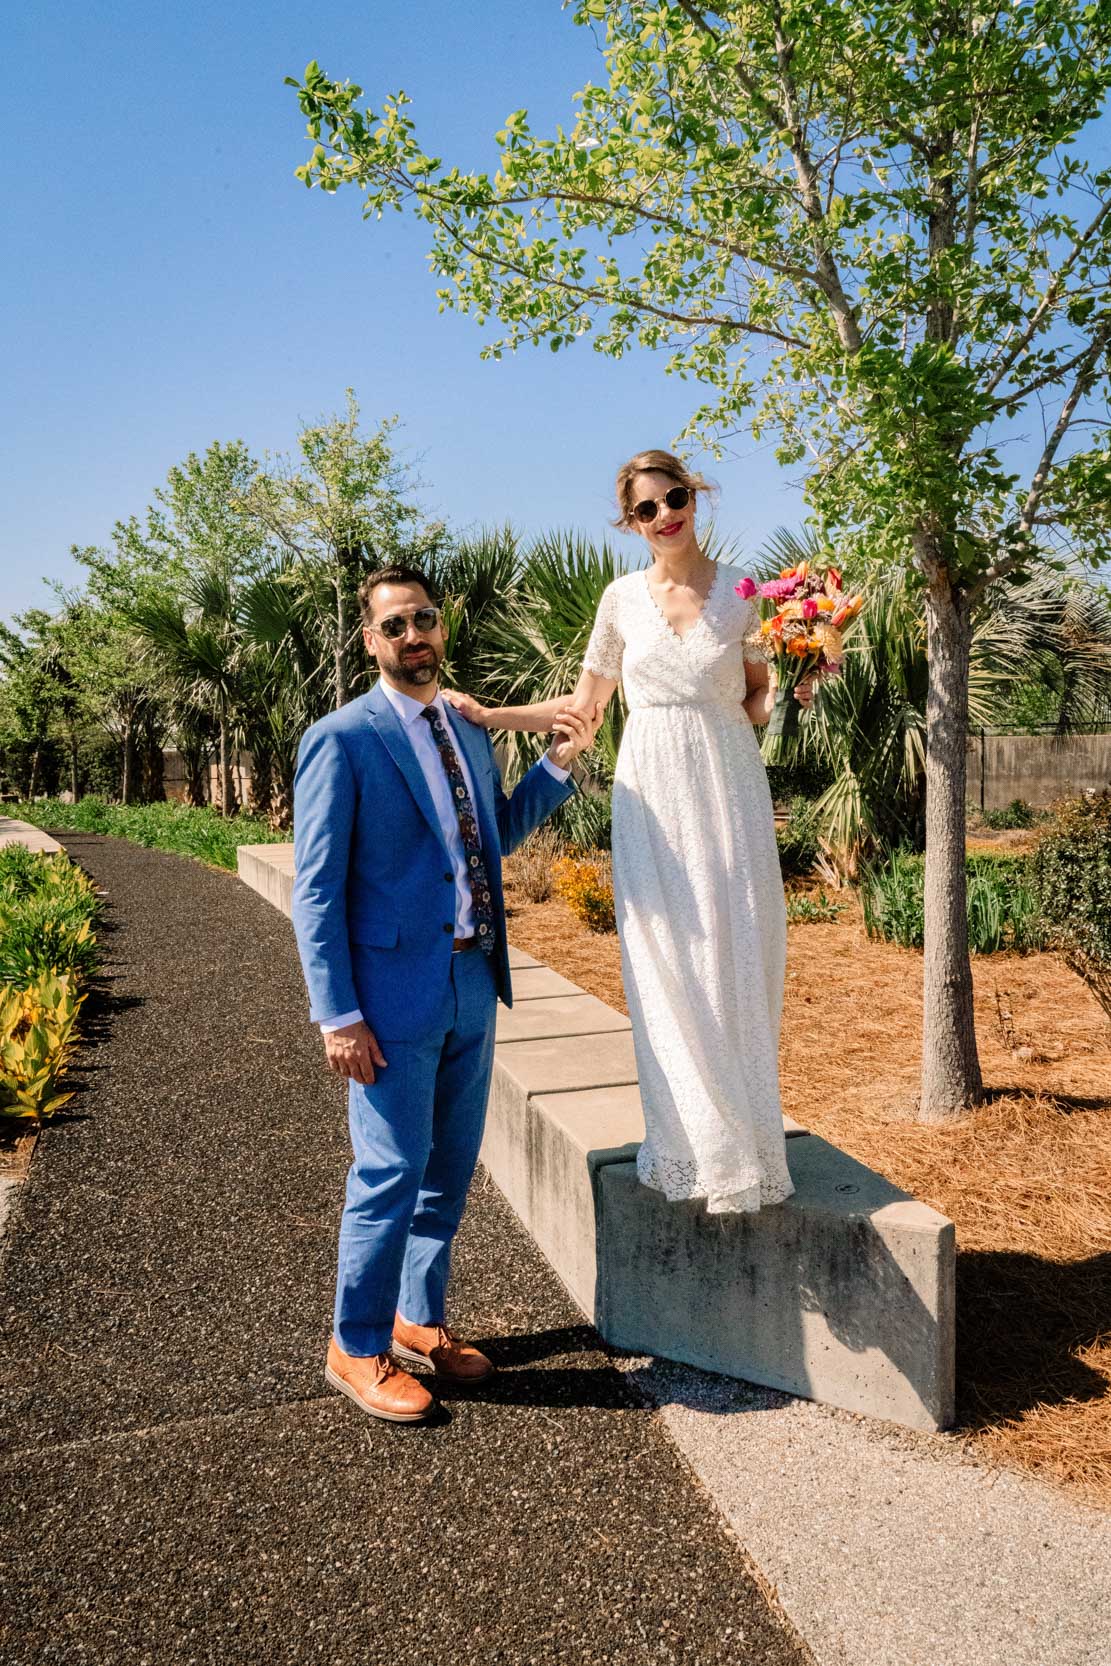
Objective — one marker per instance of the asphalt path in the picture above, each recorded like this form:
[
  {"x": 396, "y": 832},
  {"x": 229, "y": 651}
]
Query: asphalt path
[{"x": 177, "y": 1484}]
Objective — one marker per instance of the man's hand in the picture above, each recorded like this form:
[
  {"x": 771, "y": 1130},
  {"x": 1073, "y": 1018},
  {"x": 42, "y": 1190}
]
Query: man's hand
[
  {"x": 573, "y": 732},
  {"x": 353, "y": 1052},
  {"x": 467, "y": 706}
]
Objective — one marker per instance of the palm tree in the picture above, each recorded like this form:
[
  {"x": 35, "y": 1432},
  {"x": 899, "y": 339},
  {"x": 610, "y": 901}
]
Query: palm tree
[{"x": 194, "y": 638}]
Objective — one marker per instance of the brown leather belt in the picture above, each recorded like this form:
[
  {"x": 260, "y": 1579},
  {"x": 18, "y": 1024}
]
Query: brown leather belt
[{"x": 462, "y": 944}]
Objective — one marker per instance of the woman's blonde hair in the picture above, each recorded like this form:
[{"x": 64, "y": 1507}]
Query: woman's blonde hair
[{"x": 652, "y": 462}]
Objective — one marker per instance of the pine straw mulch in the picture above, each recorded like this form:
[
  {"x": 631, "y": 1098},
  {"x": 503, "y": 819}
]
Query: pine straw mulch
[{"x": 1026, "y": 1177}]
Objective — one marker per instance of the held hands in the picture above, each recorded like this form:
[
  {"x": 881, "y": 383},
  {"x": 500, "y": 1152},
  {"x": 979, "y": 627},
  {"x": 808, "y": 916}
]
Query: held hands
[
  {"x": 572, "y": 732},
  {"x": 804, "y": 693},
  {"x": 353, "y": 1052}
]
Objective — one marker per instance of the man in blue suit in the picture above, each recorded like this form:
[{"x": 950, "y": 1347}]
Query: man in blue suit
[{"x": 400, "y": 824}]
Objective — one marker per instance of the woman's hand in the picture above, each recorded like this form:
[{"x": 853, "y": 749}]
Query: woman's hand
[
  {"x": 591, "y": 711},
  {"x": 804, "y": 693},
  {"x": 467, "y": 706}
]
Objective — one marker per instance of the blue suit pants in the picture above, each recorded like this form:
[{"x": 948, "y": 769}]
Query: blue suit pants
[{"x": 415, "y": 1135}]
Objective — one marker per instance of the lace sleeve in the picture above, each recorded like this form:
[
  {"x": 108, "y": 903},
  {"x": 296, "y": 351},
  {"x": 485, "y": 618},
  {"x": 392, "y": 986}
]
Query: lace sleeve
[
  {"x": 752, "y": 651},
  {"x": 603, "y": 651}
]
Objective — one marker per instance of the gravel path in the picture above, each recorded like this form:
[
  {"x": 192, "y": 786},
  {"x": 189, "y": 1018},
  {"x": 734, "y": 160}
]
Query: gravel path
[{"x": 178, "y": 1487}]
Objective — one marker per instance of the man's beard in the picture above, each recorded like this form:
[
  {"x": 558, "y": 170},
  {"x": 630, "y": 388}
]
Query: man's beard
[{"x": 416, "y": 675}]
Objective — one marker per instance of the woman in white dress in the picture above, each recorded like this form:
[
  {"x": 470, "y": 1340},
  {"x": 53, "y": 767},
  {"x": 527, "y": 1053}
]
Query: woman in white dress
[{"x": 697, "y": 886}]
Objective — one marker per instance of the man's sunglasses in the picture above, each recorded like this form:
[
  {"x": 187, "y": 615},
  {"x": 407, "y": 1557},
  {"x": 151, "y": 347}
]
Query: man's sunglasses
[
  {"x": 647, "y": 509},
  {"x": 395, "y": 624}
]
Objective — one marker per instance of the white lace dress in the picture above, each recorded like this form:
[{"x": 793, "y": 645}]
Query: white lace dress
[{"x": 699, "y": 897}]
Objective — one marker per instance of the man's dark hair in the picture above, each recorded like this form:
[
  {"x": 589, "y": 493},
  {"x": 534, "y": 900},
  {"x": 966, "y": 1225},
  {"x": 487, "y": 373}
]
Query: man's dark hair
[{"x": 396, "y": 573}]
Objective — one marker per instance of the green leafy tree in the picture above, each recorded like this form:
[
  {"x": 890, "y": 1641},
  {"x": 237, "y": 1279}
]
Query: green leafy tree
[
  {"x": 875, "y": 231},
  {"x": 342, "y": 508}
]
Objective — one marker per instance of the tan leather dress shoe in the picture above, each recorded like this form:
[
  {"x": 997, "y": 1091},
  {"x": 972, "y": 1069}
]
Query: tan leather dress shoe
[
  {"x": 453, "y": 1360},
  {"x": 378, "y": 1386}
]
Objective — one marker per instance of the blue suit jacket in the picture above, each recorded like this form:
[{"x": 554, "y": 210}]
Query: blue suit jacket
[{"x": 374, "y": 894}]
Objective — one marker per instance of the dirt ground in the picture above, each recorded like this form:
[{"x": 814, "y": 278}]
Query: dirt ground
[{"x": 1026, "y": 1178}]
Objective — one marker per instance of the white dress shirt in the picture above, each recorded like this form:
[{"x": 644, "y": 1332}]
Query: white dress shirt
[{"x": 421, "y": 739}]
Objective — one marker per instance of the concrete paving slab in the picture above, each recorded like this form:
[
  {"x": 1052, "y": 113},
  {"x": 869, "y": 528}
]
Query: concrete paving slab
[
  {"x": 887, "y": 1548},
  {"x": 9, "y": 1202},
  {"x": 558, "y": 1015},
  {"x": 563, "y": 1066},
  {"x": 519, "y": 959},
  {"x": 531, "y": 983}
]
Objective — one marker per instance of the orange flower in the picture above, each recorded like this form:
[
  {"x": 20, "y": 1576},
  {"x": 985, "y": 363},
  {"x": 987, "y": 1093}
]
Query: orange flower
[
  {"x": 833, "y": 581},
  {"x": 798, "y": 645},
  {"x": 848, "y": 610},
  {"x": 826, "y": 604}
]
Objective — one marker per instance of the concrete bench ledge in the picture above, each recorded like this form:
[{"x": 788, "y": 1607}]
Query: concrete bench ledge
[
  {"x": 843, "y": 1294},
  {"x": 14, "y": 832}
]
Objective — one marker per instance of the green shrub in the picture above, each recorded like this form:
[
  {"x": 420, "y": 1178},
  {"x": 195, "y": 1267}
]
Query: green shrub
[
  {"x": 798, "y": 838},
  {"x": 203, "y": 833},
  {"x": 813, "y": 911},
  {"x": 36, "y": 1035},
  {"x": 1002, "y": 907},
  {"x": 802, "y": 778},
  {"x": 1016, "y": 814},
  {"x": 586, "y": 819},
  {"x": 1071, "y": 881},
  {"x": 47, "y": 908}
]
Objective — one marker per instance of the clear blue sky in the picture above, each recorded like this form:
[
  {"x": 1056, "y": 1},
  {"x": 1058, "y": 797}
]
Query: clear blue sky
[{"x": 169, "y": 282}]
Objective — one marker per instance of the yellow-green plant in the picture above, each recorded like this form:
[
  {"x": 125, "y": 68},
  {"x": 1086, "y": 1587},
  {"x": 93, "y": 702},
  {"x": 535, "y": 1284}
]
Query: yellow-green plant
[
  {"x": 36, "y": 1035},
  {"x": 585, "y": 884}
]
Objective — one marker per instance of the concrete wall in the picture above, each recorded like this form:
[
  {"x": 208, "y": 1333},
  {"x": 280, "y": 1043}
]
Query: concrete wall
[
  {"x": 843, "y": 1294},
  {"x": 1037, "y": 768}
]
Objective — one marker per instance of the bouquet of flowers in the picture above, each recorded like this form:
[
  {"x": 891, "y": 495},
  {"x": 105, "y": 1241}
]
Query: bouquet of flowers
[{"x": 802, "y": 635}]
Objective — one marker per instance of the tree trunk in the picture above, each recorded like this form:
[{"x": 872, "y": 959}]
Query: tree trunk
[
  {"x": 227, "y": 785},
  {"x": 341, "y": 641},
  {"x": 74, "y": 778},
  {"x": 34, "y": 772},
  {"x": 261, "y": 789},
  {"x": 127, "y": 784},
  {"x": 951, "y": 1079}
]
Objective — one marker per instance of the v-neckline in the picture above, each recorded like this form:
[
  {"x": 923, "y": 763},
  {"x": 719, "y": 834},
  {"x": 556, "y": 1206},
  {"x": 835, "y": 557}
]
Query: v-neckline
[{"x": 701, "y": 612}]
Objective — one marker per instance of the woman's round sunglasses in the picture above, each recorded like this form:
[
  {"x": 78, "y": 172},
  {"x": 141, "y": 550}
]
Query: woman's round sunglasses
[
  {"x": 394, "y": 624},
  {"x": 648, "y": 508}
]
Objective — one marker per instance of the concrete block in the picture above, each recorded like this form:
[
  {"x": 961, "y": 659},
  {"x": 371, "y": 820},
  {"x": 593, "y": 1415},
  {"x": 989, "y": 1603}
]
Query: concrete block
[
  {"x": 558, "y": 1015},
  {"x": 530, "y": 983},
  {"x": 518, "y": 958},
  {"x": 268, "y": 869},
  {"x": 544, "y": 1155},
  {"x": 844, "y": 1294}
]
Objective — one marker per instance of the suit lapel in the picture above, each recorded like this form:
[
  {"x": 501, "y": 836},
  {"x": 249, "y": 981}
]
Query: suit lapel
[{"x": 391, "y": 732}]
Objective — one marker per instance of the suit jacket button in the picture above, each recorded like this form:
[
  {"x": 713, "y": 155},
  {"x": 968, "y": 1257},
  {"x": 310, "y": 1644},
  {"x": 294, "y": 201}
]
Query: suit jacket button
[
  {"x": 449, "y": 877},
  {"x": 449, "y": 928}
]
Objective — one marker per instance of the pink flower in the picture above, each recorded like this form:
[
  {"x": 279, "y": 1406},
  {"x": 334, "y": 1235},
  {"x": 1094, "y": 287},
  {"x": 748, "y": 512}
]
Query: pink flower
[
  {"x": 746, "y": 588},
  {"x": 780, "y": 589},
  {"x": 809, "y": 608}
]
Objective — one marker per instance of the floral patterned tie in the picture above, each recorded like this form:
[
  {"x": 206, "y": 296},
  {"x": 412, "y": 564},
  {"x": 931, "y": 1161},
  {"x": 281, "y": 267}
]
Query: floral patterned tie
[{"x": 468, "y": 830}]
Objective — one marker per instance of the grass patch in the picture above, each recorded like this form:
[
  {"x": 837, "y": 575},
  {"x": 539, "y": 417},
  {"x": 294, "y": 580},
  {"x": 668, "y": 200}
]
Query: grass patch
[
  {"x": 1002, "y": 905},
  {"x": 202, "y": 833}
]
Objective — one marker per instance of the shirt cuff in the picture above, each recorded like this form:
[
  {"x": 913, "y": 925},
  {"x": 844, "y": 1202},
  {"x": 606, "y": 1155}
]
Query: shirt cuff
[
  {"x": 327, "y": 1025},
  {"x": 554, "y": 769}
]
